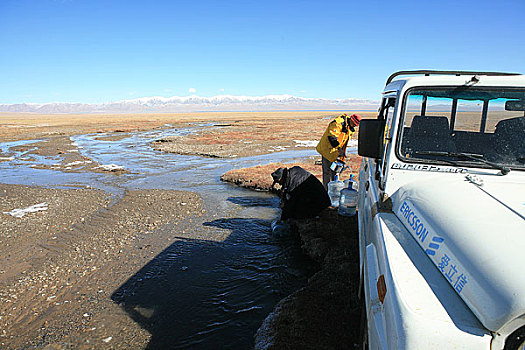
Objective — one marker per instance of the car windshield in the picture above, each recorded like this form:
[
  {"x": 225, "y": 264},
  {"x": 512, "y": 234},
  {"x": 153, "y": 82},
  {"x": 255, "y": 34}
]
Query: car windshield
[{"x": 440, "y": 124}]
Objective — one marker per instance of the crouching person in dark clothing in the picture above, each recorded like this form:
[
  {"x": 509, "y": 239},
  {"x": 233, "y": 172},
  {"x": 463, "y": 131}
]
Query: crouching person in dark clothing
[{"x": 302, "y": 194}]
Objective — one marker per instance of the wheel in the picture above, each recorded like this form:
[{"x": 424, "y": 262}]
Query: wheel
[{"x": 516, "y": 341}]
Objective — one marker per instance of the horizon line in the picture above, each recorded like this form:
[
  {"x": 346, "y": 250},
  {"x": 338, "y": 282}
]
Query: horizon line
[{"x": 136, "y": 99}]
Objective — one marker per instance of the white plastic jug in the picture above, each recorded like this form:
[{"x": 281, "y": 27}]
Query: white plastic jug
[
  {"x": 338, "y": 166},
  {"x": 350, "y": 183},
  {"x": 348, "y": 199},
  {"x": 334, "y": 191}
]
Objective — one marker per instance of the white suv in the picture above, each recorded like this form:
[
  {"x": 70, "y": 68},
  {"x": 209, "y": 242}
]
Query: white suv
[{"x": 442, "y": 212}]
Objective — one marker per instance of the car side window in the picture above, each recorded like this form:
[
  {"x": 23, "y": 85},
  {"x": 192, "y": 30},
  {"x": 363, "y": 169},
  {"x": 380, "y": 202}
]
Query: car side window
[{"x": 387, "y": 138}]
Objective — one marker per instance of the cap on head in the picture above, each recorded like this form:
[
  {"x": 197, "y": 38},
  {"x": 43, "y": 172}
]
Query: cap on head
[
  {"x": 277, "y": 175},
  {"x": 355, "y": 119}
]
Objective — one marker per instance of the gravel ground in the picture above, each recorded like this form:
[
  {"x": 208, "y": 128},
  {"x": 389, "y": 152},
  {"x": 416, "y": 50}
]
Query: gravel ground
[{"x": 60, "y": 265}]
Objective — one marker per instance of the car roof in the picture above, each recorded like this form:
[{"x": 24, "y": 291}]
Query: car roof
[{"x": 397, "y": 82}]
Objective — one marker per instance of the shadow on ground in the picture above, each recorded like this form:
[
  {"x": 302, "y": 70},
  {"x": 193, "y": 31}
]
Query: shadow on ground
[
  {"x": 252, "y": 201},
  {"x": 204, "y": 294}
]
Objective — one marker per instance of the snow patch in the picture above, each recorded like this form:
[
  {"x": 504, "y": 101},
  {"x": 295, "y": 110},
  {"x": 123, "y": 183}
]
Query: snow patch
[
  {"x": 107, "y": 340},
  {"x": 110, "y": 167},
  {"x": 78, "y": 162},
  {"x": 305, "y": 143},
  {"x": 18, "y": 213}
]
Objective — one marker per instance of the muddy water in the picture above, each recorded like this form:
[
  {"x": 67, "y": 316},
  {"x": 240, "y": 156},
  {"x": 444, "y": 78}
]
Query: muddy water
[{"x": 224, "y": 274}]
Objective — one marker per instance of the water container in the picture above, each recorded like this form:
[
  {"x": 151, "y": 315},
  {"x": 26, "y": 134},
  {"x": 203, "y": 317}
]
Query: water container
[
  {"x": 334, "y": 191},
  {"x": 338, "y": 166},
  {"x": 348, "y": 199},
  {"x": 280, "y": 228},
  {"x": 350, "y": 183}
]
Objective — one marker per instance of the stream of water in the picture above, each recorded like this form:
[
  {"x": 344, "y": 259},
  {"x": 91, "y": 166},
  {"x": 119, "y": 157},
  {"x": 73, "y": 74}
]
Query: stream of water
[{"x": 197, "y": 293}]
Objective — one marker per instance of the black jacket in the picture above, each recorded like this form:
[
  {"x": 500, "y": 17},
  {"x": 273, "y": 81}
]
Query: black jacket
[{"x": 303, "y": 195}]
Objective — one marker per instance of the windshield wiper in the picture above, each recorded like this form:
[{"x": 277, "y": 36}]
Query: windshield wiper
[{"x": 471, "y": 156}]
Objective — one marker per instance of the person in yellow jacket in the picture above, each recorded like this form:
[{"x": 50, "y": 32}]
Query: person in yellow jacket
[{"x": 332, "y": 145}]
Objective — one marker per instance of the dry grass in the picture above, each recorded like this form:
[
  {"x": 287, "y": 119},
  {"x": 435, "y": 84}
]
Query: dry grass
[
  {"x": 19, "y": 126},
  {"x": 256, "y": 134},
  {"x": 259, "y": 177}
]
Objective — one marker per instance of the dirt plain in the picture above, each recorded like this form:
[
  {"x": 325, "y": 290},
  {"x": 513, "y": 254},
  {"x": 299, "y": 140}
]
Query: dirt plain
[{"x": 58, "y": 266}]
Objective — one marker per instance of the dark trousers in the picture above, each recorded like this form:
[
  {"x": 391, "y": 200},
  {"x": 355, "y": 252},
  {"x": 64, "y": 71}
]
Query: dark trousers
[{"x": 328, "y": 174}]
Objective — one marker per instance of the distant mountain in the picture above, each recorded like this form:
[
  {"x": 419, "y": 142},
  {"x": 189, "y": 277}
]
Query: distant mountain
[{"x": 195, "y": 103}]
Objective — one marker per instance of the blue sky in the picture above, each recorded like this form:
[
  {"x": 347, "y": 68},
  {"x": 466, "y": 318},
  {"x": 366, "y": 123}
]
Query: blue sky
[{"x": 96, "y": 51}]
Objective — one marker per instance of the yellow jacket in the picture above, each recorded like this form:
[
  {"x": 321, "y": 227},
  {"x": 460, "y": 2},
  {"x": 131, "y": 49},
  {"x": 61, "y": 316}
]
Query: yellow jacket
[{"x": 334, "y": 138}]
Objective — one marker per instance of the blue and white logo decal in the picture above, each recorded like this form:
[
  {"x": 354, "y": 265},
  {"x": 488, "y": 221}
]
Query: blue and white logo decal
[
  {"x": 433, "y": 245},
  {"x": 419, "y": 229}
]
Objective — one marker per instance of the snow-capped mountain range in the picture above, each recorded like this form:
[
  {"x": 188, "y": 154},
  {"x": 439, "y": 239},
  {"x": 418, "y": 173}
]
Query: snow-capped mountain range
[{"x": 195, "y": 103}]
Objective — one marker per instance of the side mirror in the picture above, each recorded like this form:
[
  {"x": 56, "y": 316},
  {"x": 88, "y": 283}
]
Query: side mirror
[
  {"x": 515, "y": 105},
  {"x": 370, "y": 142}
]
